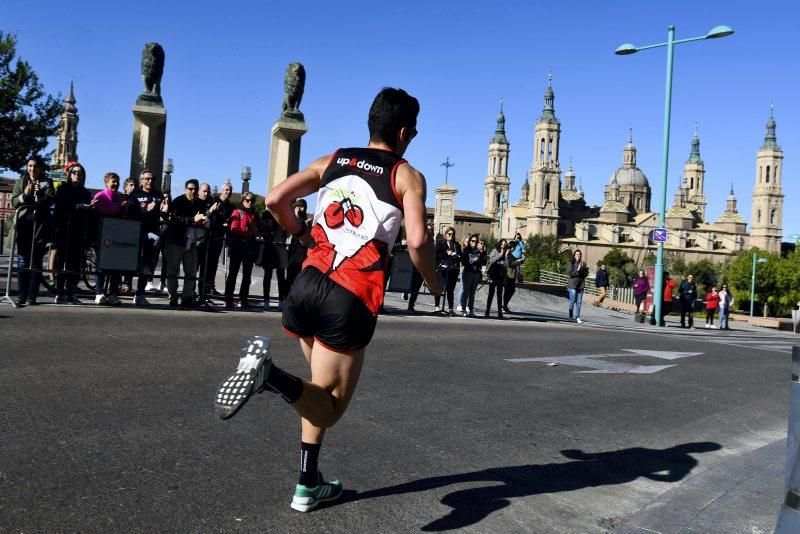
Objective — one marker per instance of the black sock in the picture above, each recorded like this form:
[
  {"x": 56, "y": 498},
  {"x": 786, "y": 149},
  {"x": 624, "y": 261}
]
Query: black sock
[
  {"x": 289, "y": 386},
  {"x": 309, "y": 456}
]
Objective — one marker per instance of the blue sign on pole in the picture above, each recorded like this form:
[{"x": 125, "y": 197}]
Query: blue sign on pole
[{"x": 660, "y": 235}]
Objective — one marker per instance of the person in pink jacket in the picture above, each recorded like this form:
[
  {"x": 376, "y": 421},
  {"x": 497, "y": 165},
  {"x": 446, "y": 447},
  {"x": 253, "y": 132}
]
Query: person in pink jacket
[{"x": 109, "y": 202}]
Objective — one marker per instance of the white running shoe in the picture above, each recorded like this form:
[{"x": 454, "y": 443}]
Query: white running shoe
[
  {"x": 306, "y": 499},
  {"x": 579, "y": 320},
  {"x": 250, "y": 376},
  {"x": 437, "y": 309},
  {"x": 459, "y": 309},
  {"x": 101, "y": 299},
  {"x": 149, "y": 287}
]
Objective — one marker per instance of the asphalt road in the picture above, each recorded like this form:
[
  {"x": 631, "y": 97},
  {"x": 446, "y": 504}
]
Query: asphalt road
[{"x": 107, "y": 423}]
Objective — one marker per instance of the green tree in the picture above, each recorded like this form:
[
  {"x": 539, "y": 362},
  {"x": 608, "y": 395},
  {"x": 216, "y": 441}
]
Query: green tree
[
  {"x": 28, "y": 115},
  {"x": 739, "y": 274},
  {"x": 705, "y": 274},
  {"x": 675, "y": 264},
  {"x": 542, "y": 253},
  {"x": 621, "y": 267},
  {"x": 788, "y": 281}
]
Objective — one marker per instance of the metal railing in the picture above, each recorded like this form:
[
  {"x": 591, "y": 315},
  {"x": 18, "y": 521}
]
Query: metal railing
[{"x": 619, "y": 294}]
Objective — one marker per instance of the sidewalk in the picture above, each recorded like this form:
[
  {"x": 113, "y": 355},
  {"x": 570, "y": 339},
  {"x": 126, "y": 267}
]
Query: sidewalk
[{"x": 739, "y": 495}]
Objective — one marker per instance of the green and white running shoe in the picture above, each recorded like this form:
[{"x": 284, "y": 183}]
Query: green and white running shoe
[
  {"x": 249, "y": 377},
  {"x": 307, "y": 499}
]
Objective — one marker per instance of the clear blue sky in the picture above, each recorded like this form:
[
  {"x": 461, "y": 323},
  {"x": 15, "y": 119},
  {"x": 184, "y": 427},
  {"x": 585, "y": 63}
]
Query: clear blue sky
[{"x": 223, "y": 83}]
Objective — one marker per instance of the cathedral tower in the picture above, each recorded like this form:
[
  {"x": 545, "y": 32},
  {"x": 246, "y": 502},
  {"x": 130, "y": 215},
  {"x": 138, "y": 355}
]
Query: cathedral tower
[
  {"x": 766, "y": 223},
  {"x": 497, "y": 182},
  {"x": 67, "y": 142},
  {"x": 545, "y": 189},
  {"x": 694, "y": 176}
]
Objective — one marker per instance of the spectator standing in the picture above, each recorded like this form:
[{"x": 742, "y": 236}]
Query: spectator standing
[
  {"x": 687, "y": 293},
  {"x": 297, "y": 250},
  {"x": 601, "y": 283},
  {"x": 145, "y": 205},
  {"x": 244, "y": 230},
  {"x": 416, "y": 278},
  {"x": 578, "y": 271},
  {"x": 128, "y": 187},
  {"x": 519, "y": 253},
  {"x": 274, "y": 239},
  {"x": 32, "y": 196},
  {"x": 725, "y": 305},
  {"x": 472, "y": 259},
  {"x": 514, "y": 264},
  {"x": 666, "y": 301},
  {"x": 71, "y": 203},
  {"x": 460, "y": 307},
  {"x": 712, "y": 304},
  {"x": 641, "y": 285},
  {"x": 184, "y": 229},
  {"x": 450, "y": 252},
  {"x": 497, "y": 270},
  {"x": 109, "y": 202}
]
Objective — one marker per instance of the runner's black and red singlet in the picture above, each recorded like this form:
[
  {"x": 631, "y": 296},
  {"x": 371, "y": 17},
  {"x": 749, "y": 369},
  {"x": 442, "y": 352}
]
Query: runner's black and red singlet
[{"x": 357, "y": 218}]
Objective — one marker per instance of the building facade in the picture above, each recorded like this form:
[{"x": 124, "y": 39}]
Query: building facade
[{"x": 625, "y": 219}]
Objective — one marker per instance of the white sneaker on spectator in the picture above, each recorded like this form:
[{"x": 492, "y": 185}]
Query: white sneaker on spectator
[
  {"x": 708, "y": 325},
  {"x": 140, "y": 300},
  {"x": 149, "y": 287},
  {"x": 459, "y": 308},
  {"x": 101, "y": 299},
  {"x": 437, "y": 309},
  {"x": 579, "y": 320}
]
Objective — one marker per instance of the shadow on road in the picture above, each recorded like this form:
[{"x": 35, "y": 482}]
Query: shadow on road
[{"x": 469, "y": 506}]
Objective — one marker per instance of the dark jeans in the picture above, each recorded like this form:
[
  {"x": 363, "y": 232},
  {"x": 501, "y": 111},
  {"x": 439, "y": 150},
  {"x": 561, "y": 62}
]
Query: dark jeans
[
  {"x": 209, "y": 265},
  {"x": 416, "y": 284},
  {"x": 68, "y": 264},
  {"x": 450, "y": 281},
  {"x": 241, "y": 255},
  {"x": 498, "y": 285},
  {"x": 470, "y": 281},
  {"x": 282, "y": 285},
  {"x": 147, "y": 261},
  {"x": 710, "y": 316},
  {"x": 638, "y": 299},
  {"x": 28, "y": 279}
]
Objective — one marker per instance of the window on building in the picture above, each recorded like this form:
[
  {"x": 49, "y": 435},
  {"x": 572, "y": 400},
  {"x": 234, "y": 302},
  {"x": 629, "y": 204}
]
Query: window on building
[
  {"x": 772, "y": 216},
  {"x": 691, "y": 182},
  {"x": 550, "y": 150},
  {"x": 541, "y": 151},
  {"x": 547, "y": 192},
  {"x": 758, "y": 216},
  {"x": 767, "y": 175}
]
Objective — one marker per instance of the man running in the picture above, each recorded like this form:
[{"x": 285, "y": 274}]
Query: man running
[{"x": 332, "y": 308}]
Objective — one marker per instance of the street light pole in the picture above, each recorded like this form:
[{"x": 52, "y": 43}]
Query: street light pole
[
  {"x": 753, "y": 280},
  {"x": 627, "y": 49}
]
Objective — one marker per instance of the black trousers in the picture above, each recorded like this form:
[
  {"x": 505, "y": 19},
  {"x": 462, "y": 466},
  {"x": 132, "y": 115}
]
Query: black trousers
[
  {"x": 416, "y": 284},
  {"x": 666, "y": 308},
  {"x": 209, "y": 262},
  {"x": 282, "y": 284},
  {"x": 241, "y": 255},
  {"x": 450, "y": 281},
  {"x": 68, "y": 264},
  {"x": 511, "y": 287},
  {"x": 498, "y": 285},
  {"x": 687, "y": 308}
]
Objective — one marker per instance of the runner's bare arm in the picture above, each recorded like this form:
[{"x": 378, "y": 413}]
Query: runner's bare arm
[
  {"x": 298, "y": 185},
  {"x": 410, "y": 185}
]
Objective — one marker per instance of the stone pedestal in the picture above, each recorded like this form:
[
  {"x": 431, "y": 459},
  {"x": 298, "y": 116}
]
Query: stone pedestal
[
  {"x": 147, "y": 148},
  {"x": 444, "y": 212},
  {"x": 284, "y": 153}
]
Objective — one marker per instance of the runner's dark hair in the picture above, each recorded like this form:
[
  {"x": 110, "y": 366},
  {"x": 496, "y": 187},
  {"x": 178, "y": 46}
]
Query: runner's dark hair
[{"x": 391, "y": 110}]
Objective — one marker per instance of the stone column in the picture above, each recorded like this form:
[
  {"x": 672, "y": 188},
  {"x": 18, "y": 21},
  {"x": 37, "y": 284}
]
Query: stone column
[
  {"x": 284, "y": 154},
  {"x": 444, "y": 213},
  {"x": 149, "y": 134}
]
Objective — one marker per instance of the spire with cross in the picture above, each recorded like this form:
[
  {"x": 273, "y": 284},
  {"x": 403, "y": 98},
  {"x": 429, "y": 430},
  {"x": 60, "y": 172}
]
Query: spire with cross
[{"x": 447, "y": 166}]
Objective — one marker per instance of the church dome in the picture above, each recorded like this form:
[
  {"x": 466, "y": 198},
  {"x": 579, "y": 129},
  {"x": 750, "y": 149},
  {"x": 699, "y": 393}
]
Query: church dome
[{"x": 629, "y": 176}]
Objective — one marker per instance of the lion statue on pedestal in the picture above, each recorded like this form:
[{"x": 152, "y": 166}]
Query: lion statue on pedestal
[
  {"x": 293, "y": 87},
  {"x": 152, "y": 70}
]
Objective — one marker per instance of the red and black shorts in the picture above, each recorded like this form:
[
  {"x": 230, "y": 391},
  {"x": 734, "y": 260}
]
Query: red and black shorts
[{"x": 320, "y": 308}]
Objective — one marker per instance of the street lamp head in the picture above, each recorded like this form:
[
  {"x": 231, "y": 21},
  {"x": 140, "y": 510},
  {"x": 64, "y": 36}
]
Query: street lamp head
[
  {"x": 626, "y": 49},
  {"x": 168, "y": 166},
  {"x": 719, "y": 31}
]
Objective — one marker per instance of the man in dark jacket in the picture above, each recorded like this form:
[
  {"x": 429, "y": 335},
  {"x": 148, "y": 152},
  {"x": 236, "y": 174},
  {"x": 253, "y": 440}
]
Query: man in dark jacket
[
  {"x": 687, "y": 294},
  {"x": 32, "y": 196},
  {"x": 144, "y": 204},
  {"x": 219, "y": 209},
  {"x": 601, "y": 283},
  {"x": 185, "y": 228}
]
